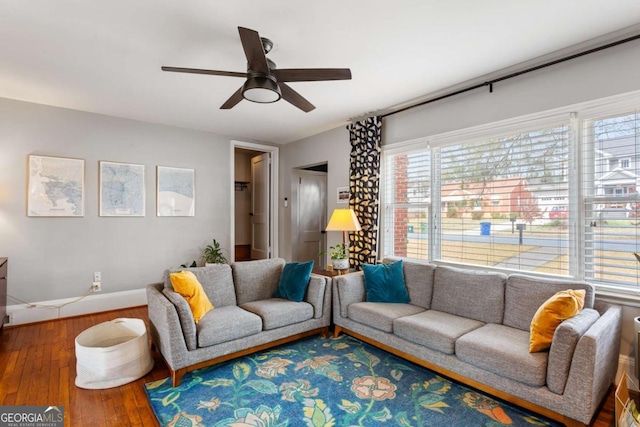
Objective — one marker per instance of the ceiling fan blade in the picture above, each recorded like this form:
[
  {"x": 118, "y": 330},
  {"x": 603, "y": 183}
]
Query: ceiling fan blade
[
  {"x": 199, "y": 71},
  {"x": 253, "y": 50},
  {"x": 233, "y": 100},
  {"x": 295, "y": 98},
  {"x": 311, "y": 74}
]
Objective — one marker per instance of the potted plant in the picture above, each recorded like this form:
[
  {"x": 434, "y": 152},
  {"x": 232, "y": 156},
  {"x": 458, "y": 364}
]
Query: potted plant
[
  {"x": 338, "y": 255},
  {"x": 213, "y": 254}
]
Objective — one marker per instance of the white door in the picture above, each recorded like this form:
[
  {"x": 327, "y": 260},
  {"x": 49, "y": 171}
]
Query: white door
[
  {"x": 260, "y": 199},
  {"x": 312, "y": 217}
]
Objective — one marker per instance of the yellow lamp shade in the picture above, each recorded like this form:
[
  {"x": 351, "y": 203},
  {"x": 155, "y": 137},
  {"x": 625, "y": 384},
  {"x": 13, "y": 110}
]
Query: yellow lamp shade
[{"x": 343, "y": 220}]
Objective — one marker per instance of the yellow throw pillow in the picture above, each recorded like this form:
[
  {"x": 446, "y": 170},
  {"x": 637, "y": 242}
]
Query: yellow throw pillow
[
  {"x": 186, "y": 284},
  {"x": 561, "y": 306}
]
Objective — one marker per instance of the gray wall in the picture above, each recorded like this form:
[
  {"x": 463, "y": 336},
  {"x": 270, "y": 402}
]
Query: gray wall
[
  {"x": 606, "y": 73},
  {"x": 332, "y": 147},
  {"x": 609, "y": 72},
  {"x": 53, "y": 258}
]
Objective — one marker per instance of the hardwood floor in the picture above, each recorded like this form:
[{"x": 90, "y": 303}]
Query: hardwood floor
[{"x": 37, "y": 367}]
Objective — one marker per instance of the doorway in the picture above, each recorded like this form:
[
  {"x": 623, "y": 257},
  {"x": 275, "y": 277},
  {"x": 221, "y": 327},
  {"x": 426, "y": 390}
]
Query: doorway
[
  {"x": 254, "y": 172},
  {"x": 309, "y": 218}
]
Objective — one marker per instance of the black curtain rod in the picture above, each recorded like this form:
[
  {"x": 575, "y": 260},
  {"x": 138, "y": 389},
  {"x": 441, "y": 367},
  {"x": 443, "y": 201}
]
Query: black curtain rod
[{"x": 518, "y": 73}]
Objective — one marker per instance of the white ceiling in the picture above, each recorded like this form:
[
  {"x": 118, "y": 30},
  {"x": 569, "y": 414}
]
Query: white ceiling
[{"x": 104, "y": 56}]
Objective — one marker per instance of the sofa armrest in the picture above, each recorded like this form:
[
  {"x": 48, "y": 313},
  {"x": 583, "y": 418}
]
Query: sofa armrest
[
  {"x": 186, "y": 317},
  {"x": 594, "y": 365},
  {"x": 349, "y": 290},
  {"x": 315, "y": 293},
  {"x": 563, "y": 346},
  {"x": 165, "y": 327}
]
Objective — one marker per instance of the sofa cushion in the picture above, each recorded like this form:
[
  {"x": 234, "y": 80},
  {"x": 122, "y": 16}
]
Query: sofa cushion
[
  {"x": 525, "y": 294},
  {"x": 503, "y": 351},
  {"x": 256, "y": 280},
  {"x": 226, "y": 324},
  {"x": 380, "y": 315},
  {"x": 278, "y": 312},
  {"x": 187, "y": 323},
  {"x": 187, "y": 285},
  {"x": 216, "y": 280},
  {"x": 561, "y": 306},
  {"x": 434, "y": 329},
  {"x": 563, "y": 346},
  {"x": 418, "y": 278},
  {"x": 294, "y": 280},
  {"x": 385, "y": 283},
  {"x": 477, "y": 295},
  {"x": 350, "y": 290}
]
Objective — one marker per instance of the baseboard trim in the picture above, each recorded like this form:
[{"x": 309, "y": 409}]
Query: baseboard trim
[
  {"x": 626, "y": 364},
  {"x": 21, "y": 314}
]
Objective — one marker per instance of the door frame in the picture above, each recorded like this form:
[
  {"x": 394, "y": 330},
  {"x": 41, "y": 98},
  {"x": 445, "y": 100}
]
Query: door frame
[{"x": 273, "y": 190}]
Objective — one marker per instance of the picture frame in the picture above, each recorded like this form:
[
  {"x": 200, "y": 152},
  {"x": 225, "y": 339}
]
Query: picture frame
[
  {"x": 175, "y": 191},
  {"x": 342, "y": 195},
  {"x": 55, "y": 186},
  {"x": 122, "y": 189}
]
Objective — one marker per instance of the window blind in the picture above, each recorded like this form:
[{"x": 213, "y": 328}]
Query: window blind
[
  {"x": 504, "y": 201},
  {"x": 610, "y": 180},
  {"x": 556, "y": 194},
  {"x": 406, "y": 202}
]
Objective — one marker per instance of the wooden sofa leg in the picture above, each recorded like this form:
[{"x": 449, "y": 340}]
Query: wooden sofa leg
[
  {"x": 176, "y": 376},
  {"x": 336, "y": 331},
  {"x": 325, "y": 332}
]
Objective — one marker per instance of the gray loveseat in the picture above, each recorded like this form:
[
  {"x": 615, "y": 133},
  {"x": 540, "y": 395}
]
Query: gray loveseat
[
  {"x": 246, "y": 318},
  {"x": 473, "y": 327}
]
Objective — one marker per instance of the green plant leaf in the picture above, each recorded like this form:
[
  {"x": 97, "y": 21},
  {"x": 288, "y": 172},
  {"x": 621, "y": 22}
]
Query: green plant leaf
[
  {"x": 156, "y": 384},
  {"x": 241, "y": 371},
  {"x": 396, "y": 374},
  {"x": 219, "y": 382},
  {"x": 263, "y": 386},
  {"x": 383, "y": 415},
  {"x": 170, "y": 398}
]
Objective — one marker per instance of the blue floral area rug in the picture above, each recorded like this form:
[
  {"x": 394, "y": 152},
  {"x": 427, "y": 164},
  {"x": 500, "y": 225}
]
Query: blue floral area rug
[{"x": 326, "y": 382}]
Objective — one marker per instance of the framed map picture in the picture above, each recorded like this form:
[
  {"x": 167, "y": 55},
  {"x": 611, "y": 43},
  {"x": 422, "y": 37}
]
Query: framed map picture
[
  {"x": 55, "y": 187},
  {"x": 121, "y": 189},
  {"x": 176, "y": 192}
]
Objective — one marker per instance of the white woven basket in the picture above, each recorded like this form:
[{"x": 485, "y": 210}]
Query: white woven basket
[{"x": 112, "y": 353}]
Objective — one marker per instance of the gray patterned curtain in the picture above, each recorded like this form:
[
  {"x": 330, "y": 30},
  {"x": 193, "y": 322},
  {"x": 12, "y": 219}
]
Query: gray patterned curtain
[{"x": 364, "y": 189}]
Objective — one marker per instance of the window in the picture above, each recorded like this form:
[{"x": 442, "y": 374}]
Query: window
[
  {"x": 524, "y": 196},
  {"x": 407, "y": 197},
  {"x": 612, "y": 224}
]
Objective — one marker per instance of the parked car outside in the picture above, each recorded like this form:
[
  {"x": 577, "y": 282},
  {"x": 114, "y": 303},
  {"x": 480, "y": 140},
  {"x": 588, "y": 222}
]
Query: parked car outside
[
  {"x": 558, "y": 212},
  {"x": 633, "y": 210}
]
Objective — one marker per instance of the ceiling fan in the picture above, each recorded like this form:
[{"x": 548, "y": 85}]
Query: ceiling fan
[{"x": 265, "y": 83}]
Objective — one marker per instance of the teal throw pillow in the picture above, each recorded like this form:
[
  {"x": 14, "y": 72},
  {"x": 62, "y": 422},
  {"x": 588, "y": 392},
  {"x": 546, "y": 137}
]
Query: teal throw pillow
[
  {"x": 294, "y": 281},
  {"x": 385, "y": 283}
]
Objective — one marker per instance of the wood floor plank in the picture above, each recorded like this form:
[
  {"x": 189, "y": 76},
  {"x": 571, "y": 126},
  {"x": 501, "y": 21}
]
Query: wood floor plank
[{"x": 42, "y": 357}]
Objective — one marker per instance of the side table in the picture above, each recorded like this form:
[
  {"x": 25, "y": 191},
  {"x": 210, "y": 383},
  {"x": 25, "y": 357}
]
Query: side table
[{"x": 329, "y": 273}]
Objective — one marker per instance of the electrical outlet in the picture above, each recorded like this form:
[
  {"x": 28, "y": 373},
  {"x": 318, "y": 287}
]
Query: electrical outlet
[
  {"x": 96, "y": 287},
  {"x": 97, "y": 276}
]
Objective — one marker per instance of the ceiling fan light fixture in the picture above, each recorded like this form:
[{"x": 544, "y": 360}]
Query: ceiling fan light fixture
[{"x": 261, "y": 89}]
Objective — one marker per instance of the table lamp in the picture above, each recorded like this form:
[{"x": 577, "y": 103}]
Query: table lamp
[{"x": 344, "y": 220}]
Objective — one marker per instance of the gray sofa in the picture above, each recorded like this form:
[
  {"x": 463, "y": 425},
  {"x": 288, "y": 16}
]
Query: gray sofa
[
  {"x": 246, "y": 318},
  {"x": 473, "y": 327}
]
